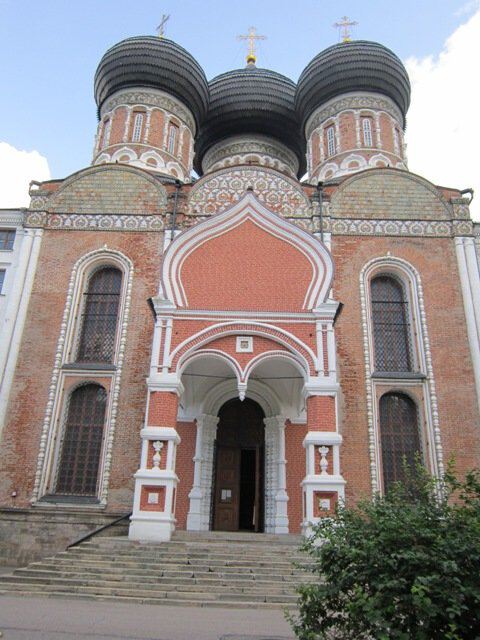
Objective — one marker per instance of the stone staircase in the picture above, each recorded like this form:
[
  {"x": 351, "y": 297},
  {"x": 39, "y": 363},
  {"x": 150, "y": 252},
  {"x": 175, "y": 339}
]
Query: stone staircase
[{"x": 211, "y": 569}]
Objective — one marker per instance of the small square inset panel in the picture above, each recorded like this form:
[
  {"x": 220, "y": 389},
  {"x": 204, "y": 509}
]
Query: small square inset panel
[
  {"x": 324, "y": 503},
  {"x": 244, "y": 344},
  {"x": 152, "y": 499}
]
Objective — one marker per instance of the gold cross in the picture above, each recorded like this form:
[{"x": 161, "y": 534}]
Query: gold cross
[
  {"x": 161, "y": 26},
  {"x": 343, "y": 27},
  {"x": 251, "y": 37}
]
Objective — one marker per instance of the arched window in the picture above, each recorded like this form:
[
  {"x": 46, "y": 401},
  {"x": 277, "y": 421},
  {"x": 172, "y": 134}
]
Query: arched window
[
  {"x": 399, "y": 436},
  {"x": 107, "y": 126},
  {"x": 367, "y": 132},
  {"x": 172, "y": 138},
  {"x": 99, "y": 316},
  {"x": 391, "y": 325},
  {"x": 331, "y": 146},
  {"x": 81, "y": 445},
  {"x": 137, "y": 127}
]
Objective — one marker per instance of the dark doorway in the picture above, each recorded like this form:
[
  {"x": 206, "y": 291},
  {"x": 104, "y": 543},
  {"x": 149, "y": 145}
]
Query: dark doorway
[{"x": 239, "y": 467}]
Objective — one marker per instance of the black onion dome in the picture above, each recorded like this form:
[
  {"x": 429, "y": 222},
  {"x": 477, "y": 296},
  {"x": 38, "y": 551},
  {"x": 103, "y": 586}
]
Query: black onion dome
[
  {"x": 358, "y": 65},
  {"x": 150, "y": 61},
  {"x": 251, "y": 100}
]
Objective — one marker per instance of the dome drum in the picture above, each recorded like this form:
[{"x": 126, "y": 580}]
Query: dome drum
[
  {"x": 250, "y": 150},
  {"x": 248, "y": 102}
]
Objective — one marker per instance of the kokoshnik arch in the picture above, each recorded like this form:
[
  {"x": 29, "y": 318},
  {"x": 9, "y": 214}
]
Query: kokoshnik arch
[{"x": 243, "y": 349}]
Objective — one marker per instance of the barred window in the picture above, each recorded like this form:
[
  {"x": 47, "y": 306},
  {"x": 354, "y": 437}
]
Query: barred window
[
  {"x": 367, "y": 132},
  {"x": 137, "y": 127},
  {"x": 77, "y": 472},
  {"x": 100, "y": 315},
  {"x": 391, "y": 325},
  {"x": 399, "y": 436},
  {"x": 331, "y": 146}
]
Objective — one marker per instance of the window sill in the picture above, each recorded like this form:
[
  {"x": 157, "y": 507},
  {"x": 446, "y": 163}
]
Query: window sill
[
  {"x": 89, "y": 366},
  {"x": 51, "y": 501},
  {"x": 399, "y": 375},
  {"x": 71, "y": 499}
]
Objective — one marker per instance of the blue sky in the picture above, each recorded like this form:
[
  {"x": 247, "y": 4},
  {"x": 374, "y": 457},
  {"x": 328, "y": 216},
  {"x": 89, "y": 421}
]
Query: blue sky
[{"x": 50, "y": 50}]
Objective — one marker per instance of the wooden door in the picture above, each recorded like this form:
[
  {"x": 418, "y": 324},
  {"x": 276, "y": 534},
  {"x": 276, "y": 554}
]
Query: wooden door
[{"x": 227, "y": 489}]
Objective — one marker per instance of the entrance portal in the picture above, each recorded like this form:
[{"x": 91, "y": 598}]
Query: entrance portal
[{"x": 238, "y": 503}]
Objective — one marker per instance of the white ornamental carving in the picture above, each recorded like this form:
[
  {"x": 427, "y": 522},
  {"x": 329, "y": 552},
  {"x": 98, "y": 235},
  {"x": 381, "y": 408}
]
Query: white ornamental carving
[
  {"x": 217, "y": 192},
  {"x": 323, "y": 451},
  {"x": 157, "y": 456}
]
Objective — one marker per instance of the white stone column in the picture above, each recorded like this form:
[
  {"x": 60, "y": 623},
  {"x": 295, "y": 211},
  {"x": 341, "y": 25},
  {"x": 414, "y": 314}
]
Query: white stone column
[
  {"x": 281, "y": 498},
  {"x": 323, "y": 484},
  {"x": 155, "y": 486},
  {"x": 271, "y": 472},
  {"x": 198, "y": 518},
  {"x": 16, "y": 313},
  {"x": 276, "y": 497}
]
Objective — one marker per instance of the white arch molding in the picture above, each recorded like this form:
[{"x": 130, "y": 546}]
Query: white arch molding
[
  {"x": 248, "y": 208},
  {"x": 410, "y": 277},
  {"x": 82, "y": 268},
  {"x": 275, "y": 494}
]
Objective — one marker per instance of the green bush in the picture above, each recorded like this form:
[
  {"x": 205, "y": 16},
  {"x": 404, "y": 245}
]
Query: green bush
[{"x": 405, "y": 566}]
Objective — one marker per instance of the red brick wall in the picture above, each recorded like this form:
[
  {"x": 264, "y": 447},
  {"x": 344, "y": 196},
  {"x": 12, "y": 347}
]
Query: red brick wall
[
  {"x": 184, "y": 468},
  {"x": 59, "y": 252},
  {"x": 459, "y": 420},
  {"x": 255, "y": 267},
  {"x": 296, "y": 469}
]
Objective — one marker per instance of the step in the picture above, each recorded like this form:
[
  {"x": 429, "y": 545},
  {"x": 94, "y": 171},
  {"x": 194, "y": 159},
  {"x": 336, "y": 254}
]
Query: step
[
  {"x": 228, "y": 604},
  {"x": 156, "y": 594}
]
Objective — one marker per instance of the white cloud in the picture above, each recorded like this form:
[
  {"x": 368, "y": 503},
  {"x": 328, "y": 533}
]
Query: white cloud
[
  {"x": 443, "y": 125},
  {"x": 17, "y": 168}
]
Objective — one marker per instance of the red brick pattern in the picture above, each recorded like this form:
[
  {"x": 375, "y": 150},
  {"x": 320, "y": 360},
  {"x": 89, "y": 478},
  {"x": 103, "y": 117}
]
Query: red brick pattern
[
  {"x": 159, "y": 492},
  {"x": 163, "y": 408},
  {"x": 184, "y": 468},
  {"x": 256, "y": 266},
  {"x": 296, "y": 469},
  {"x": 321, "y": 413}
]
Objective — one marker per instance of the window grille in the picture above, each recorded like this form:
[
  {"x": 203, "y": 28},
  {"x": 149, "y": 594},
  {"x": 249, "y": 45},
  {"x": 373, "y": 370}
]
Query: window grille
[
  {"x": 81, "y": 445},
  {"x": 399, "y": 436},
  {"x": 367, "y": 132},
  {"x": 7, "y": 238},
  {"x": 391, "y": 326},
  {"x": 99, "y": 317},
  {"x": 137, "y": 127},
  {"x": 2, "y": 279},
  {"x": 172, "y": 136},
  {"x": 331, "y": 141},
  {"x": 106, "y": 132}
]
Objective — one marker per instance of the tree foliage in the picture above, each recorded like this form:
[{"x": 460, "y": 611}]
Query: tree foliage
[{"x": 405, "y": 566}]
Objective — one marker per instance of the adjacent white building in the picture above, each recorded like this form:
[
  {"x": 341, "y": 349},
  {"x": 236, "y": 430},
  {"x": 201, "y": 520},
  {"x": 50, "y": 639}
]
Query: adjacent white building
[{"x": 19, "y": 248}]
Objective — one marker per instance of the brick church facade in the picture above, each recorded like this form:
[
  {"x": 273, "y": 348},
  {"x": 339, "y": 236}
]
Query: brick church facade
[{"x": 245, "y": 349}]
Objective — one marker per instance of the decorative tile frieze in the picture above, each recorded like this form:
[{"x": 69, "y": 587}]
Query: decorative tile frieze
[
  {"x": 97, "y": 222},
  {"x": 151, "y": 98},
  {"x": 217, "y": 192},
  {"x": 354, "y": 101}
]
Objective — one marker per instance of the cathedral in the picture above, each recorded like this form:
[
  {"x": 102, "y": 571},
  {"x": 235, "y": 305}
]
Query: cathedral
[{"x": 244, "y": 312}]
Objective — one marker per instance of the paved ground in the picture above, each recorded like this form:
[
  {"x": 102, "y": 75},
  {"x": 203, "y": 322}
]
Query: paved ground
[{"x": 25, "y": 618}]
